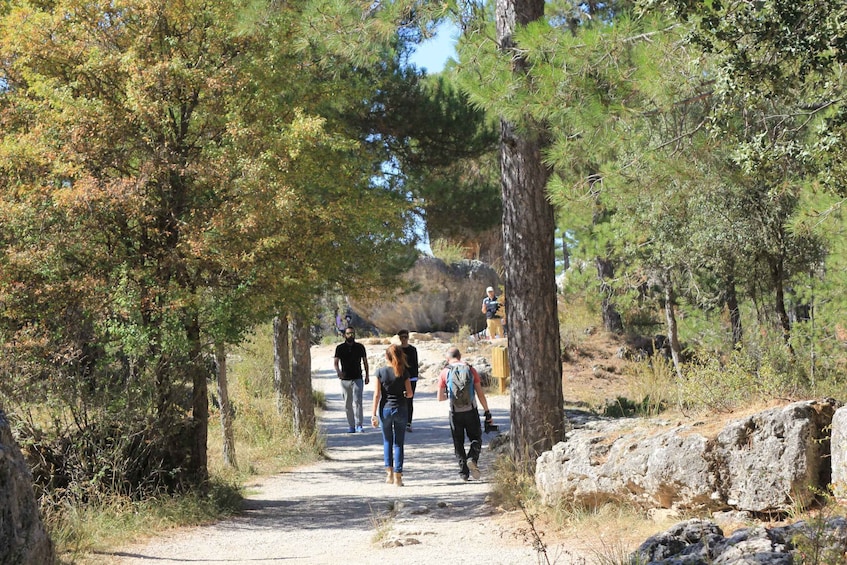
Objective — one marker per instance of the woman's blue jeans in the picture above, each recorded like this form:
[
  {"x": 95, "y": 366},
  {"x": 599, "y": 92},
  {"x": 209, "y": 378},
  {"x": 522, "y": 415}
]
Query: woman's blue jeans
[{"x": 394, "y": 421}]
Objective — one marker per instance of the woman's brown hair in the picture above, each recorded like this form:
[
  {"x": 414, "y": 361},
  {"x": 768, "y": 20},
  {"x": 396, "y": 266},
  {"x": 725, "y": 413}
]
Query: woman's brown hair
[{"x": 397, "y": 359}]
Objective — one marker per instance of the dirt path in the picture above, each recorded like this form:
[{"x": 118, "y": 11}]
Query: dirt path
[{"x": 331, "y": 512}]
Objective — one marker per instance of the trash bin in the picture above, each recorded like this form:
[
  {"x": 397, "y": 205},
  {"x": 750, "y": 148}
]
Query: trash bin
[{"x": 500, "y": 366}]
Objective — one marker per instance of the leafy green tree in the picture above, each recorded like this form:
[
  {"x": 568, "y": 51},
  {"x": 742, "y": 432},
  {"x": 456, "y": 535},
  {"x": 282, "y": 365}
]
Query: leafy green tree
[
  {"x": 159, "y": 200},
  {"x": 122, "y": 109},
  {"x": 771, "y": 69}
]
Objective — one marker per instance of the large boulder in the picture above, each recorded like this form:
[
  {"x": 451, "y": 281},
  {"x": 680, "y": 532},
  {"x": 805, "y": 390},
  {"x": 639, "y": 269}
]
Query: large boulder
[
  {"x": 628, "y": 461},
  {"x": 445, "y": 298},
  {"x": 700, "y": 542},
  {"x": 839, "y": 454},
  {"x": 772, "y": 461},
  {"x": 23, "y": 539}
]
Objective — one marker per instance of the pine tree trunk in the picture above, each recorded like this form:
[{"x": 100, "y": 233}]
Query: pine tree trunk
[
  {"x": 282, "y": 361},
  {"x": 301, "y": 377},
  {"x": 529, "y": 251},
  {"x": 226, "y": 407}
]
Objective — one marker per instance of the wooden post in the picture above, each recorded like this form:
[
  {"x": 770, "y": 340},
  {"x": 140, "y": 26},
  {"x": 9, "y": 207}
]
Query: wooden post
[{"x": 500, "y": 366}]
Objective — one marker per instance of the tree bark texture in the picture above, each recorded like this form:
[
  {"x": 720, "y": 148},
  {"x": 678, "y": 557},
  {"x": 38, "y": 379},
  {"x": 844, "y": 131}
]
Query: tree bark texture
[
  {"x": 302, "y": 405},
  {"x": 778, "y": 279},
  {"x": 670, "y": 318},
  {"x": 731, "y": 299},
  {"x": 529, "y": 228},
  {"x": 612, "y": 321},
  {"x": 198, "y": 469},
  {"x": 282, "y": 361},
  {"x": 226, "y": 408}
]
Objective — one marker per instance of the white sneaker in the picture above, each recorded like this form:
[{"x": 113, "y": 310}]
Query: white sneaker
[{"x": 473, "y": 468}]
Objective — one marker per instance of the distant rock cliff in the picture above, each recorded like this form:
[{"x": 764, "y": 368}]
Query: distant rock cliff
[{"x": 446, "y": 298}]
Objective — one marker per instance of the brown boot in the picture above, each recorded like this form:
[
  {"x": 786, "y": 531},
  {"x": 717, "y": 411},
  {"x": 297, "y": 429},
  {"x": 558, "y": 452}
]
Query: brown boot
[
  {"x": 389, "y": 475},
  {"x": 398, "y": 479}
]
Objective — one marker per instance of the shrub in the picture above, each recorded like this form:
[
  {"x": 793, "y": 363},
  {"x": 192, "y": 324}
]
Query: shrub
[{"x": 447, "y": 251}]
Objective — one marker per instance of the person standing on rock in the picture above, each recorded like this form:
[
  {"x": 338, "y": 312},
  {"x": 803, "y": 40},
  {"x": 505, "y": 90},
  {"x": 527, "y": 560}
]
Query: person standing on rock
[
  {"x": 393, "y": 389},
  {"x": 490, "y": 307},
  {"x": 411, "y": 353},
  {"x": 349, "y": 358},
  {"x": 460, "y": 383}
]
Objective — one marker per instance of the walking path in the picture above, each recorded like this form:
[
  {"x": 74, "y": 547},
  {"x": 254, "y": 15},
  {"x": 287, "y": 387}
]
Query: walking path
[{"x": 339, "y": 511}]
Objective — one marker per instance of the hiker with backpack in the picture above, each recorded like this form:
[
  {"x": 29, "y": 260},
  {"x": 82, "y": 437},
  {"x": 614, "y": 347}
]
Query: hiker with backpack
[
  {"x": 390, "y": 410},
  {"x": 460, "y": 383}
]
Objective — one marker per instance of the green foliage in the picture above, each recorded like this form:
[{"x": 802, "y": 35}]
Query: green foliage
[
  {"x": 755, "y": 374},
  {"x": 464, "y": 334},
  {"x": 155, "y": 199}
]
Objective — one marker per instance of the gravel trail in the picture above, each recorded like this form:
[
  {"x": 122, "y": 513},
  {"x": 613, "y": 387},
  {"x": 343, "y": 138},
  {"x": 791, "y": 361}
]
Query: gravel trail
[{"x": 339, "y": 511}]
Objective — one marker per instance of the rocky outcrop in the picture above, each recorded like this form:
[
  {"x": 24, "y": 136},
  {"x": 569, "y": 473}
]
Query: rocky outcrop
[
  {"x": 700, "y": 542},
  {"x": 773, "y": 460},
  {"x": 770, "y": 461},
  {"x": 839, "y": 454},
  {"x": 23, "y": 539},
  {"x": 446, "y": 298}
]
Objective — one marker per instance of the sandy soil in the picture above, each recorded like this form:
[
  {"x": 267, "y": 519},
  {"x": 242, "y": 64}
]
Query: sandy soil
[{"x": 340, "y": 511}]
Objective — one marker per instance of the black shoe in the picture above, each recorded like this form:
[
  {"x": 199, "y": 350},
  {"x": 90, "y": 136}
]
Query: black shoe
[{"x": 464, "y": 476}]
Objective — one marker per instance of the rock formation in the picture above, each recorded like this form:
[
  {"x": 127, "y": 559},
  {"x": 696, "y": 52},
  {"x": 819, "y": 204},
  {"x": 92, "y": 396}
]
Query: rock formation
[
  {"x": 446, "y": 298},
  {"x": 23, "y": 539},
  {"x": 772, "y": 461},
  {"x": 700, "y": 542},
  {"x": 839, "y": 454}
]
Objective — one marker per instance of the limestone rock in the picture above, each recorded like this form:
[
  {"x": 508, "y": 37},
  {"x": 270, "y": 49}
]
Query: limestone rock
[
  {"x": 839, "y": 454},
  {"x": 626, "y": 460},
  {"x": 447, "y": 297},
  {"x": 771, "y": 461},
  {"x": 701, "y": 542},
  {"x": 23, "y": 539}
]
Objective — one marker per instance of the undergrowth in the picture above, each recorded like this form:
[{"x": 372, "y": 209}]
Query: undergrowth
[
  {"x": 265, "y": 444},
  {"x": 615, "y": 528},
  {"x": 81, "y": 529}
]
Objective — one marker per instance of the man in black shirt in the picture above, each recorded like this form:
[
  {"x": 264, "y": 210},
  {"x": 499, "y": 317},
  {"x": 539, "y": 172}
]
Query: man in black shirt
[{"x": 349, "y": 358}]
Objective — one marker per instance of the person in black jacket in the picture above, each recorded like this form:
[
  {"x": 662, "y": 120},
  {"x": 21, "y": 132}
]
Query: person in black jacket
[{"x": 411, "y": 353}]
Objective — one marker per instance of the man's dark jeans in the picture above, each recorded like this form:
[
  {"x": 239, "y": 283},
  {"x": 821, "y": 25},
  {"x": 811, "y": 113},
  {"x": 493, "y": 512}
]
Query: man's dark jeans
[{"x": 461, "y": 424}]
